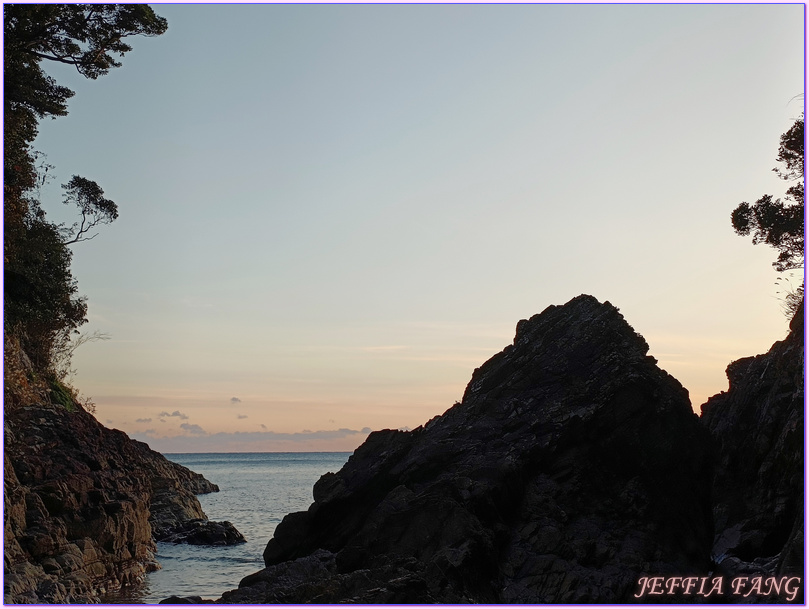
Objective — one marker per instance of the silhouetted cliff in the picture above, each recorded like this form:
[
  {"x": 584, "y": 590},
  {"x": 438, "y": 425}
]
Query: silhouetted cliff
[{"x": 758, "y": 429}]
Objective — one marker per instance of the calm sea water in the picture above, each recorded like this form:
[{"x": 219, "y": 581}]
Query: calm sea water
[{"x": 256, "y": 491}]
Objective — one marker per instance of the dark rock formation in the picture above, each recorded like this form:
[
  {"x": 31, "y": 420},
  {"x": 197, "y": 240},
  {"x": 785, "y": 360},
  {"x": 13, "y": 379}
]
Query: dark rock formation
[
  {"x": 201, "y": 532},
  {"x": 573, "y": 466},
  {"x": 81, "y": 502},
  {"x": 184, "y": 600},
  {"x": 316, "y": 579},
  {"x": 758, "y": 428}
]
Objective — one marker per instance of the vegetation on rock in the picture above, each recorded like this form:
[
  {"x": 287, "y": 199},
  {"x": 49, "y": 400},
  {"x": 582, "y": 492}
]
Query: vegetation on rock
[
  {"x": 42, "y": 304},
  {"x": 780, "y": 224}
]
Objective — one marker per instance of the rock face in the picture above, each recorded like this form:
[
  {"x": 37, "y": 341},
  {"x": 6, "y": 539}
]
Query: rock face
[
  {"x": 572, "y": 466},
  {"x": 81, "y": 502},
  {"x": 758, "y": 429}
]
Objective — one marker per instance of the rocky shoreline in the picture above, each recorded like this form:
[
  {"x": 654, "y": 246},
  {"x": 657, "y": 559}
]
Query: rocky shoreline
[
  {"x": 85, "y": 504},
  {"x": 573, "y": 471}
]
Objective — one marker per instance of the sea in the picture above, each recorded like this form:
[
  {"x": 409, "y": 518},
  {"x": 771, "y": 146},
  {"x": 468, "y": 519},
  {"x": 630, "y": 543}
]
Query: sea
[{"x": 256, "y": 491}]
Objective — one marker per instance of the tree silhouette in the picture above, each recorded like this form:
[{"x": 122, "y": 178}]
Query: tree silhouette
[
  {"x": 41, "y": 302},
  {"x": 775, "y": 222}
]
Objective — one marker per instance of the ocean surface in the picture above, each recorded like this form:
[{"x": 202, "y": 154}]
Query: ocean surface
[{"x": 256, "y": 490}]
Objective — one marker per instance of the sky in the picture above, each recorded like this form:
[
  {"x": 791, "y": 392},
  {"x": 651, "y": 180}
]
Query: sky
[{"x": 331, "y": 215}]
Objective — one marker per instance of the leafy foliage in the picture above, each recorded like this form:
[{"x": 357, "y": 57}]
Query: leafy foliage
[
  {"x": 775, "y": 222},
  {"x": 42, "y": 307},
  {"x": 41, "y": 298},
  {"x": 94, "y": 208},
  {"x": 82, "y": 35}
]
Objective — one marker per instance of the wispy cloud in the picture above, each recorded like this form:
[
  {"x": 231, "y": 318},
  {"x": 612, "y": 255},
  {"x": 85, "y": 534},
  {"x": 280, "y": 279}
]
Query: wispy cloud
[
  {"x": 384, "y": 348},
  {"x": 143, "y": 420},
  {"x": 193, "y": 303},
  {"x": 176, "y": 413},
  {"x": 242, "y": 416},
  {"x": 235, "y": 401}
]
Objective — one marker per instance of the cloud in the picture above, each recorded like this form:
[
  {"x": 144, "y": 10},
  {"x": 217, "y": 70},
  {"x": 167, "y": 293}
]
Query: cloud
[
  {"x": 263, "y": 426},
  {"x": 235, "y": 401},
  {"x": 176, "y": 413},
  {"x": 143, "y": 420},
  {"x": 193, "y": 429},
  {"x": 197, "y": 439},
  {"x": 242, "y": 416},
  {"x": 300, "y": 436}
]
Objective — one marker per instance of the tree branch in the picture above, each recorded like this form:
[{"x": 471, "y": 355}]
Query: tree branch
[{"x": 72, "y": 62}]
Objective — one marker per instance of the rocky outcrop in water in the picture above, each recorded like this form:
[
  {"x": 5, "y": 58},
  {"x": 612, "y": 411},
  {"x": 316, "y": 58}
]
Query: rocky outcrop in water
[
  {"x": 185, "y": 600},
  {"x": 572, "y": 467},
  {"x": 81, "y": 504},
  {"x": 201, "y": 532},
  {"x": 758, "y": 429}
]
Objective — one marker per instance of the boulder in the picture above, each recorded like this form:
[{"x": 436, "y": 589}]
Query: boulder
[
  {"x": 184, "y": 600},
  {"x": 201, "y": 532},
  {"x": 572, "y": 467}
]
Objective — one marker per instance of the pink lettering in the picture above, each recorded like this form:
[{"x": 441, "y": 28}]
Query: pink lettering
[
  {"x": 657, "y": 585},
  {"x": 791, "y": 590},
  {"x": 642, "y": 583},
  {"x": 672, "y": 583},
  {"x": 716, "y": 586},
  {"x": 756, "y": 587},
  {"x": 775, "y": 585},
  {"x": 737, "y": 583},
  {"x": 743, "y": 585},
  {"x": 688, "y": 583}
]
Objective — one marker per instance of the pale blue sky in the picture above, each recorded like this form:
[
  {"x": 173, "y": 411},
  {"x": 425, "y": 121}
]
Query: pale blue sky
[{"x": 335, "y": 213}]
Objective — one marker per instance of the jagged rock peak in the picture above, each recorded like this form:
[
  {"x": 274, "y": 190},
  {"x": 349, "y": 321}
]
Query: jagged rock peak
[
  {"x": 570, "y": 339},
  {"x": 572, "y": 465},
  {"x": 580, "y": 310}
]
